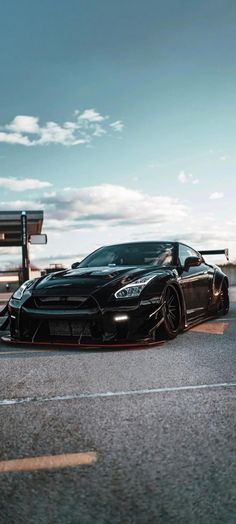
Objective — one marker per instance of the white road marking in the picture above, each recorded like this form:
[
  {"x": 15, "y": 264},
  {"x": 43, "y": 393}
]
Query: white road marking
[{"x": 109, "y": 394}]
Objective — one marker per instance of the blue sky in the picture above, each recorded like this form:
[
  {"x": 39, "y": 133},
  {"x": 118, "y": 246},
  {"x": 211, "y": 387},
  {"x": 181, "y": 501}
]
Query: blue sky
[{"x": 118, "y": 119}]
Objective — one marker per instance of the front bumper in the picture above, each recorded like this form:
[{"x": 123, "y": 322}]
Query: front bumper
[{"x": 88, "y": 325}]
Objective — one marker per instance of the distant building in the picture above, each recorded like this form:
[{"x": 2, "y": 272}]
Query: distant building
[
  {"x": 12, "y": 278},
  {"x": 52, "y": 268}
]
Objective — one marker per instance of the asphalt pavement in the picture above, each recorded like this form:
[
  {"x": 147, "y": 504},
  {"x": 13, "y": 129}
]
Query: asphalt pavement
[{"x": 126, "y": 436}]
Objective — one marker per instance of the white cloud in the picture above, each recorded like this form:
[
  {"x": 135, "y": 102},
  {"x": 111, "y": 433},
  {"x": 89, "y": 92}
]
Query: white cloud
[
  {"x": 15, "y": 205},
  {"x": 53, "y": 133},
  {"x": 70, "y": 125},
  {"x": 99, "y": 130},
  {"x": 24, "y": 124},
  {"x": 91, "y": 116},
  {"x": 186, "y": 178},
  {"x": 89, "y": 206},
  {"x": 104, "y": 206},
  {"x": 216, "y": 195},
  {"x": 117, "y": 126},
  {"x": 17, "y": 184},
  {"x": 15, "y": 138},
  {"x": 26, "y": 130}
]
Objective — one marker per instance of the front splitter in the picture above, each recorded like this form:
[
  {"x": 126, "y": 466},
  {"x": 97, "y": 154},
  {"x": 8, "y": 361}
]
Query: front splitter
[{"x": 132, "y": 345}]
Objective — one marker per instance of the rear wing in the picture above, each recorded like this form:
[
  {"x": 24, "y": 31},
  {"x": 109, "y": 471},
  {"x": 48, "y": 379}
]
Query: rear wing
[{"x": 216, "y": 252}]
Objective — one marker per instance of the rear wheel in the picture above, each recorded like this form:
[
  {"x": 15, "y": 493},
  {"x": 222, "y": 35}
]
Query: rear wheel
[
  {"x": 171, "y": 313},
  {"x": 224, "y": 299}
]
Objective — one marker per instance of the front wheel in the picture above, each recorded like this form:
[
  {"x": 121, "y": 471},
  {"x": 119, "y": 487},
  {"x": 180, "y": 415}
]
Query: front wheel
[{"x": 171, "y": 313}]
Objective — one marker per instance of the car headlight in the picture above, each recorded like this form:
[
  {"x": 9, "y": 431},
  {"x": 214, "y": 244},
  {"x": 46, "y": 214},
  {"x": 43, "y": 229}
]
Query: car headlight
[
  {"x": 21, "y": 290},
  {"x": 135, "y": 288}
]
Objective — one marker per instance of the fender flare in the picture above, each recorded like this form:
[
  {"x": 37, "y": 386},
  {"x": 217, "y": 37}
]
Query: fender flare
[{"x": 218, "y": 280}]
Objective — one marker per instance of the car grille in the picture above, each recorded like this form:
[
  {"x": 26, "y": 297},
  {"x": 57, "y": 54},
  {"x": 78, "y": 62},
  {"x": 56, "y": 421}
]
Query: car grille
[
  {"x": 61, "y": 302},
  {"x": 73, "y": 328},
  {"x": 42, "y": 318}
]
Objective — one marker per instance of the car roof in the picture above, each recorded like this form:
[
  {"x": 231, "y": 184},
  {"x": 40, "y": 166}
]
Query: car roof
[{"x": 174, "y": 242}]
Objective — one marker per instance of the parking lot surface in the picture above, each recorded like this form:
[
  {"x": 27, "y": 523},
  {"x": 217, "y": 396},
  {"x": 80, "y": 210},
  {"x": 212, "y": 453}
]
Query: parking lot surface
[{"x": 121, "y": 436}]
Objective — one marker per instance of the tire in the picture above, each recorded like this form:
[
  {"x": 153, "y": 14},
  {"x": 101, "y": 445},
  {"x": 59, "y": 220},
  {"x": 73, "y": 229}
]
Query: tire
[
  {"x": 224, "y": 299},
  {"x": 171, "y": 313}
]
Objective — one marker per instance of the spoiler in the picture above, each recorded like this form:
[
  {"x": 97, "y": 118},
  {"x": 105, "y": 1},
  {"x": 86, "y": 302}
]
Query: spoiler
[{"x": 216, "y": 252}]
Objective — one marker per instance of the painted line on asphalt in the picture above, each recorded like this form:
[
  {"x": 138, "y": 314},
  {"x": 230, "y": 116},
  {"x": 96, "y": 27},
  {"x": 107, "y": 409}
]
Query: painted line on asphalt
[
  {"x": 215, "y": 328},
  {"x": 48, "y": 462},
  {"x": 109, "y": 394}
]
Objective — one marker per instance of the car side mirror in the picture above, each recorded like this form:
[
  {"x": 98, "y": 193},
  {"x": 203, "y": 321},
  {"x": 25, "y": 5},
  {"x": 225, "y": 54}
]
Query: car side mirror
[
  {"x": 75, "y": 265},
  {"x": 192, "y": 262}
]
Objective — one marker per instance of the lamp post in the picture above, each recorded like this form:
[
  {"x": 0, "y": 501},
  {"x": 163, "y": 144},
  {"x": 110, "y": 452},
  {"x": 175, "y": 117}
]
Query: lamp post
[{"x": 24, "y": 241}]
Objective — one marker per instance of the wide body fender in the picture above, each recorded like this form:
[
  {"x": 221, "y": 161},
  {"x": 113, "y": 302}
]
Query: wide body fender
[{"x": 218, "y": 279}]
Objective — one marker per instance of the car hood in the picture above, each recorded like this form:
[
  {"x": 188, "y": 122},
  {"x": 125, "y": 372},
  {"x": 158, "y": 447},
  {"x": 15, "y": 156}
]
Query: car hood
[{"x": 87, "y": 281}]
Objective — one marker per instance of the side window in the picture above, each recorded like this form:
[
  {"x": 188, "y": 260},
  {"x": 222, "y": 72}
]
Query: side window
[
  {"x": 165, "y": 258},
  {"x": 185, "y": 252}
]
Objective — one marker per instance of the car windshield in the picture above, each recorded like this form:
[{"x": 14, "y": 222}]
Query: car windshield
[{"x": 136, "y": 254}]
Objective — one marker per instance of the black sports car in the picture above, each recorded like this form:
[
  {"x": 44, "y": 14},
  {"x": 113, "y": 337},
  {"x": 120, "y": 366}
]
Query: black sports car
[{"x": 121, "y": 293}]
